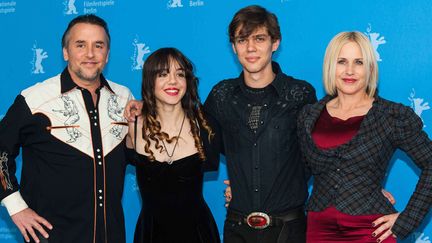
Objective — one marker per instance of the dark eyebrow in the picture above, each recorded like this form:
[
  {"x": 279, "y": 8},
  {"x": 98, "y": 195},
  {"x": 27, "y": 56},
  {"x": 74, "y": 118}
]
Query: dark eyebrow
[
  {"x": 163, "y": 70},
  {"x": 83, "y": 41}
]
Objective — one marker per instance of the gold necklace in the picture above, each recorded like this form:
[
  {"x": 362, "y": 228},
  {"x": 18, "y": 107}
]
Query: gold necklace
[{"x": 170, "y": 161}]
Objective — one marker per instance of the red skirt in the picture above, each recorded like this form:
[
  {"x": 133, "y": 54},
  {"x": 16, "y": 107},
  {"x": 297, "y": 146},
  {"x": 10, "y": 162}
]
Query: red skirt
[{"x": 331, "y": 225}]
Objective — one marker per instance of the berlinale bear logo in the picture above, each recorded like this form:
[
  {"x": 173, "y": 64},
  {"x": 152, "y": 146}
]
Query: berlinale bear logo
[
  {"x": 38, "y": 56},
  {"x": 376, "y": 41},
  {"x": 70, "y": 7},
  {"x": 174, "y": 4},
  {"x": 418, "y": 104},
  {"x": 138, "y": 58}
]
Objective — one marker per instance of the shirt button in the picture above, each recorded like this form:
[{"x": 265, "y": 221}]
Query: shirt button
[
  {"x": 256, "y": 190},
  {"x": 100, "y": 205},
  {"x": 95, "y": 117},
  {"x": 261, "y": 122},
  {"x": 336, "y": 186},
  {"x": 337, "y": 169},
  {"x": 95, "y": 111},
  {"x": 97, "y": 150},
  {"x": 91, "y": 112},
  {"x": 100, "y": 191},
  {"x": 255, "y": 144},
  {"x": 95, "y": 124},
  {"x": 100, "y": 197},
  {"x": 99, "y": 156},
  {"x": 265, "y": 105},
  {"x": 100, "y": 163},
  {"x": 256, "y": 167}
]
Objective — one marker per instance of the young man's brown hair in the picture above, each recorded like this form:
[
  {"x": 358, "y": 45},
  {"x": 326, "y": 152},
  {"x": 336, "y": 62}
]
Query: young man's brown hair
[{"x": 249, "y": 19}]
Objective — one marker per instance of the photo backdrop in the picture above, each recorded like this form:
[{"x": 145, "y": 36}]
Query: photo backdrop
[{"x": 400, "y": 31}]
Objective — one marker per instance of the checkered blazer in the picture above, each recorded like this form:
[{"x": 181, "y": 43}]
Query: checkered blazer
[{"x": 350, "y": 176}]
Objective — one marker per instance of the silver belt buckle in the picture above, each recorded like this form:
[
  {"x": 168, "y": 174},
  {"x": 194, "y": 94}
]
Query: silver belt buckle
[{"x": 258, "y": 220}]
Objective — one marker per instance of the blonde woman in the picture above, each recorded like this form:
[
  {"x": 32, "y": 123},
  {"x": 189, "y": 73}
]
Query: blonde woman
[{"x": 348, "y": 139}]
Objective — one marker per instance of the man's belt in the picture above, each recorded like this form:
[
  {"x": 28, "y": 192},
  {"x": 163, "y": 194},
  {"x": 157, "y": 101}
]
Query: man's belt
[{"x": 261, "y": 220}]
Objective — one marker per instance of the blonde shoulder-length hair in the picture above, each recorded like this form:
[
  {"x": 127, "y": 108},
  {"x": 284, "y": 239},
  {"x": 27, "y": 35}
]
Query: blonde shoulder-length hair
[{"x": 331, "y": 56}]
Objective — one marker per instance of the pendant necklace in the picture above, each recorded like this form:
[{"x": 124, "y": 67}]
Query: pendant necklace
[{"x": 170, "y": 161}]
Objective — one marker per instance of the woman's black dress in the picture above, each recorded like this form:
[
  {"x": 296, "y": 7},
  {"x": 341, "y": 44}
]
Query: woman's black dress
[{"x": 173, "y": 207}]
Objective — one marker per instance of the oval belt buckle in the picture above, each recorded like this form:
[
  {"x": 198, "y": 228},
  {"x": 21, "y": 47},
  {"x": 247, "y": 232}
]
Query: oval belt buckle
[{"x": 258, "y": 220}]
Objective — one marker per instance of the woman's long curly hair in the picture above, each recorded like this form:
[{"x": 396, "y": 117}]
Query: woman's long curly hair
[{"x": 158, "y": 62}]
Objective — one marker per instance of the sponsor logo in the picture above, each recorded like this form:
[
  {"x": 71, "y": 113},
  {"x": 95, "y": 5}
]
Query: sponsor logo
[
  {"x": 7, "y": 7},
  {"x": 420, "y": 237},
  {"x": 178, "y": 3},
  {"x": 39, "y": 55},
  {"x": 91, "y": 7},
  {"x": 140, "y": 50},
  {"x": 70, "y": 7},
  {"x": 418, "y": 104},
  {"x": 174, "y": 4},
  {"x": 197, "y": 3},
  {"x": 376, "y": 40}
]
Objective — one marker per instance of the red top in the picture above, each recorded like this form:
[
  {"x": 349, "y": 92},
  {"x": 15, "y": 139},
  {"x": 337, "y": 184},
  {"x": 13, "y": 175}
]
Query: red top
[{"x": 330, "y": 132}]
